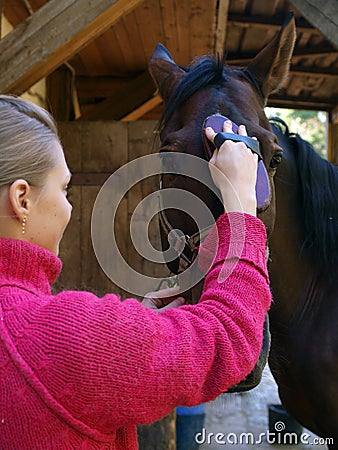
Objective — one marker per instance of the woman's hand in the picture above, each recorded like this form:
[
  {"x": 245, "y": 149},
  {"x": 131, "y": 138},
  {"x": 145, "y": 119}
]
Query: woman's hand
[
  {"x": 163, "y": 299},
  {"x": 234, "y": 171}
]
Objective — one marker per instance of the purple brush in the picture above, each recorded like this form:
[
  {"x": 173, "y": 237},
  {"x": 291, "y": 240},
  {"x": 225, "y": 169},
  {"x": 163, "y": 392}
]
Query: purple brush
[{"x": 263, "y": 191}]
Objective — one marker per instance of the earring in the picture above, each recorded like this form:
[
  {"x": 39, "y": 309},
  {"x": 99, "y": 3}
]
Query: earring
[{"x": 24, "y": 220}]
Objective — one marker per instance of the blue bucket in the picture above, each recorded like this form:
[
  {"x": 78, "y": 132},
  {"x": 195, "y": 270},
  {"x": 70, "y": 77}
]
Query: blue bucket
[{"x": 189, "y": 422}]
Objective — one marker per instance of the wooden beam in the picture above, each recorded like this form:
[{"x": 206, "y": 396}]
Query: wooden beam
[
  {"x": 322, "y": 15},
  {"x": 318, "y": 72},
  {"x": 52, "y": 35},
  {"x": 28, "y": 6},
  {"x": 221, "y": 21},
  {"x": 101, "y": 86},
  {"x": 268, "y": 22},
  {"x": 143, "y": 109},
  {"x": 311, "y": 71},
  {"x": 123, "y": 101},
  {"x": 334, "y": 115},
  {"x": 14, "y": 11},
  {"x": 332, "y": 151},
  {"x": 59, "y": 87},
  {"x": 298, "y": 102},
  {"x": 318, "y": 51}
]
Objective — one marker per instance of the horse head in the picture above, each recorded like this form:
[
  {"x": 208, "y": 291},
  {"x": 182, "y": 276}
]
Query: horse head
[{"x": 210, "y": 87}]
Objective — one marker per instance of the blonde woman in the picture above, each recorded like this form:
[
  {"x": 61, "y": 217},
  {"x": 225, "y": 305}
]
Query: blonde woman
[{"x": 79, "y": 372}]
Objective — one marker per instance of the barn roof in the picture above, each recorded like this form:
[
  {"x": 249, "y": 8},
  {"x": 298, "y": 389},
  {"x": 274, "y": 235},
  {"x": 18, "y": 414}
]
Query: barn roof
[{"x": 96, "y": 54}]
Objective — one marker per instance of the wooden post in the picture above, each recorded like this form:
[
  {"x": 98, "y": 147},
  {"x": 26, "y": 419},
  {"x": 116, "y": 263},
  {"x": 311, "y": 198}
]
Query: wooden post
[
  {"x": 160, "y": 435},
  {"x": 332, "y": 154},
  {"x": 59, "y": 94}
]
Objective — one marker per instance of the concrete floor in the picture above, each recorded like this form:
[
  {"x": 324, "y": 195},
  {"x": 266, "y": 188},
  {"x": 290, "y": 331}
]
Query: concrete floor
[{"x": 233, "y": 414}]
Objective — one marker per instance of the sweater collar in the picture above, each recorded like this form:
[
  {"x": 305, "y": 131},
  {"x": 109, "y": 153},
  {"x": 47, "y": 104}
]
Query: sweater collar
[{"x": 28, "y": 266}]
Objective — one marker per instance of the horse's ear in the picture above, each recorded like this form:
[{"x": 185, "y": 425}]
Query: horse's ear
[
  {"x": 271, "y": 66},
  {"x": 165, "y": 72}
]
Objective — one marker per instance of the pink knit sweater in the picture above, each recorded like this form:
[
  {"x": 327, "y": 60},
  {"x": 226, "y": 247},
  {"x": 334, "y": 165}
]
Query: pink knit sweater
[{"x": 79, "y": 372}]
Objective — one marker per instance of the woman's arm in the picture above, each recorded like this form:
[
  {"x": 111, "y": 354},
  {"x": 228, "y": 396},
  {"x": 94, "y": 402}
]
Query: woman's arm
[
  {"x": 113, "y": 363},
  {"x": 117, "y": 363}
]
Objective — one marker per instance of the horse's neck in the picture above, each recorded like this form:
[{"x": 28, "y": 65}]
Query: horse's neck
[{"x": 289, "y": 272}]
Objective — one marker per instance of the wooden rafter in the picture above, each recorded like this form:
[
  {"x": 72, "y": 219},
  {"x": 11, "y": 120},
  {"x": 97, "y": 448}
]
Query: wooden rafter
[
  {"x": 334, "y": 115},
  {"x": 52, "y": 35},
  {"x": 61, "y": 96},
  {"x": 15, "y": 11},
  {"x": 311, "y": 71},
  {"x": 301, "y": 102},
  {"x": 123, "y": 101},
  {"x": 322, "y": 15},
  {"x": 295, "y": 69},
  {"x": 143, "y": 109},
  {"x": 268, "y": 22},
  {"x": 332, "y": 154},
  {"x": 314, "y": 52},
  {"x": 100, "y": 86},
  {"x": 28, "y": 6},
  {"x": 316, "y": 72}
]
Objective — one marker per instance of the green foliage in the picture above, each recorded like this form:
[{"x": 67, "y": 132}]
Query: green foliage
[{"x": 310, "y": 125}]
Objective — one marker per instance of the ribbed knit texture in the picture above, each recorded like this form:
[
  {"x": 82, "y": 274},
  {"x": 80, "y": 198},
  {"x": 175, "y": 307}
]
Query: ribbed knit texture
[{"x": 79, "y": 372}]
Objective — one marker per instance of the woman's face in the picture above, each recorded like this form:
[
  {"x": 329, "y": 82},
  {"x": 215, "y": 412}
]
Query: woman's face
[{"x": 50, "y": 209}]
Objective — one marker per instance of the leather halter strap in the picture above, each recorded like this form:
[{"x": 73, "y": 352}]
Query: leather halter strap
[{"x": 191, "y": 243}]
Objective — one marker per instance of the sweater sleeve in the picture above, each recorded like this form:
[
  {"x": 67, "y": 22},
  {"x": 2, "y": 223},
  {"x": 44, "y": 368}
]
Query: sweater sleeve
[{"x": 111, "y": 363}]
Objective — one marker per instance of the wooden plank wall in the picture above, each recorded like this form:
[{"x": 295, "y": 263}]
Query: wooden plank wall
[{"x": 93, "y": 151}]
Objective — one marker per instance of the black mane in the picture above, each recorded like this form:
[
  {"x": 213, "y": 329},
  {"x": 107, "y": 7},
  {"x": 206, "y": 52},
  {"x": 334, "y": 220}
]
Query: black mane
[
  {"x": 205, "y": 71},
  {"x": 319, "y": 190}
]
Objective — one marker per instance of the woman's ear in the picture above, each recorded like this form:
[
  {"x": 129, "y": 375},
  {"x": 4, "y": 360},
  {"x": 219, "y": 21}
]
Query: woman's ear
[{"x": 19, "y": 199}]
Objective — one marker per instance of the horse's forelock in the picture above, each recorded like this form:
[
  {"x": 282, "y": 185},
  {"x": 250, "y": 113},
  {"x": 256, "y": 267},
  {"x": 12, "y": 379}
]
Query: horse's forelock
[{"x": 204, "y": 71}]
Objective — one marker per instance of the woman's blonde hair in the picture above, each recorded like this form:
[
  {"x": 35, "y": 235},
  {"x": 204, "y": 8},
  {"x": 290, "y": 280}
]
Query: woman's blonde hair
[{"x": 26, "y": 134}]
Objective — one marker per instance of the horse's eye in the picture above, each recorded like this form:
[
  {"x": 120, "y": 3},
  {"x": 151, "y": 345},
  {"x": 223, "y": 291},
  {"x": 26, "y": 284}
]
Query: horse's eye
[{"x": 276, "y": 160}]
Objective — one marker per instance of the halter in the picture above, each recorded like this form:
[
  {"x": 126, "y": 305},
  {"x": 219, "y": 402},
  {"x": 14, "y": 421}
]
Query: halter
[{"x": 191, "y": 243}]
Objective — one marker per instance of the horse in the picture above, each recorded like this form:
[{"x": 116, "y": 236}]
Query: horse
[
  {"x": 191, "y": 94},
  {"x": 207, "y": 87}
]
